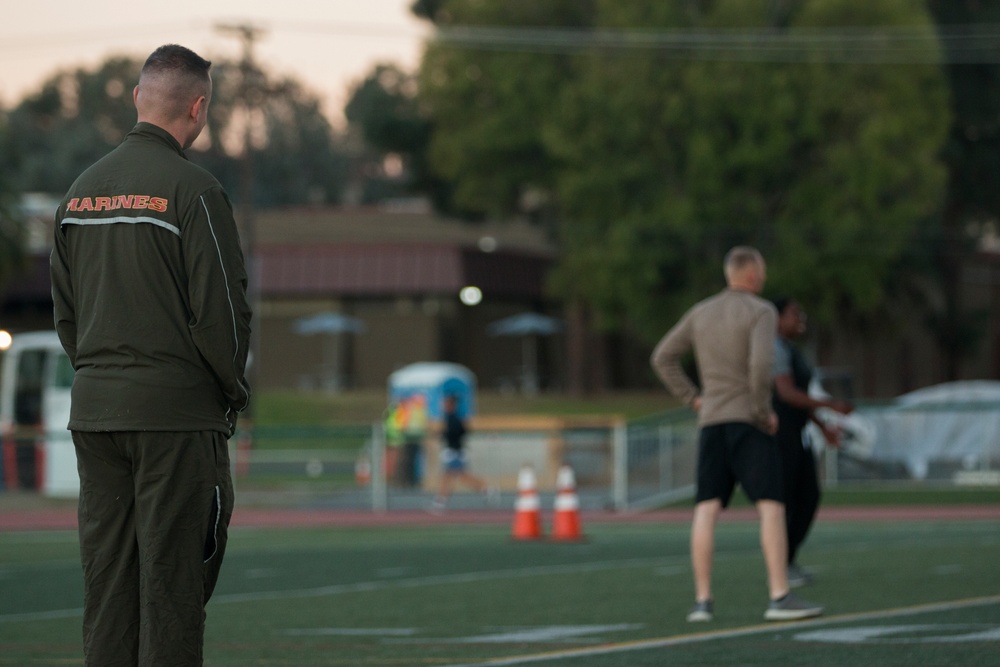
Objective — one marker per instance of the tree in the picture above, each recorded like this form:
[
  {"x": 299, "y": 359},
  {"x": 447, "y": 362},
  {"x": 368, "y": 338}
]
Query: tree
[
  {"x": 427, "y": 9},
  {"x": 972, "y": 201},
  {"x": 78, "y": 116},
  {"x": 488, "y": 107},
  {"x": 296, "y": 156},
  {"x": 11, "y": 246},
  {"x": 384, "y": 111},
  {"x": 826, "y": 166},
  {"x": 658, "y": 161}
]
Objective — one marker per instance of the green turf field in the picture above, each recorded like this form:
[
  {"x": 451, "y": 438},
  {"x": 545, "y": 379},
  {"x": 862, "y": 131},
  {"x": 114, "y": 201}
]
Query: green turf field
[{"x": 905, "y": 593}]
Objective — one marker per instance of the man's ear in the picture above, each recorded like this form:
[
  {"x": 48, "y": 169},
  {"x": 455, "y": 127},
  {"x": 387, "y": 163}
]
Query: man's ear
[
  {"x": 197, "y": 107},
  {"x": 135, "y": 96}
]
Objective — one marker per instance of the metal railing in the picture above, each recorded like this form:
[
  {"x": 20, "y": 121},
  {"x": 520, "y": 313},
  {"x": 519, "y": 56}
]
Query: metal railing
[{"x": 619, "y": 465}]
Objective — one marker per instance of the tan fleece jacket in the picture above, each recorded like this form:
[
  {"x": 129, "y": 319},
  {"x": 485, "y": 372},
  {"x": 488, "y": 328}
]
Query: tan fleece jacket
[{"x": 732, "y": 334}]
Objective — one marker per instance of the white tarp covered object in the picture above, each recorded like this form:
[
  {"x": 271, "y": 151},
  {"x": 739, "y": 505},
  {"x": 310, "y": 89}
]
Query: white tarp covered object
[
  {"x": 955, "y": 422},
  {"x": 857, "y": 432}
]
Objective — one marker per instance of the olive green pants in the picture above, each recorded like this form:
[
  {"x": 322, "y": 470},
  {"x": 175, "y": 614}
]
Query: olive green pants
[{"x": 154, "y": 514}]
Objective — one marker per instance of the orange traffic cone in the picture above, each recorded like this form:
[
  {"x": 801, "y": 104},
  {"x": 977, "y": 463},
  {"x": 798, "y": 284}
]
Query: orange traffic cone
[
  {"x": 566, "y": 522},
  {"x": 362, "y": 471},
  {"x": 527, "y": 508}
]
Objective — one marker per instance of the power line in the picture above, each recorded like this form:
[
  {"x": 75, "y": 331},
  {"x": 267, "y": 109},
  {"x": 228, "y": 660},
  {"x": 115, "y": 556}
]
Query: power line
[
  {"x": 22, "y": 42},
  {"x": 946, "y": 44},
  {"x": 116, "y": 33},
  {"x": 954, "y": 44},
  {"x": 350, "y": 29}
]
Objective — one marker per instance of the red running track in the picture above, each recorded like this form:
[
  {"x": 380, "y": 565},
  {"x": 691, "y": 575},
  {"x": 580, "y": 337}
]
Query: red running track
[{"x": 64, "y": 518}]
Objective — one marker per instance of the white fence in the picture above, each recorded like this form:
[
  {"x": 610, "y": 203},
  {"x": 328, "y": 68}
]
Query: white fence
[{"x": 619, "y": 465}]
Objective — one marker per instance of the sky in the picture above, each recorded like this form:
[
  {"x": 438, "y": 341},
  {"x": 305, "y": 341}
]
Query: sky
[{"x": 328, "y": 45}]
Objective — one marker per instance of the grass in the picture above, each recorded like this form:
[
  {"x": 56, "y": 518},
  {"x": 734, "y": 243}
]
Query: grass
[
  {"x": 466, "y": 595},
  {"x": 894, "y": 494},
  {"x": 909, "y": 494}
]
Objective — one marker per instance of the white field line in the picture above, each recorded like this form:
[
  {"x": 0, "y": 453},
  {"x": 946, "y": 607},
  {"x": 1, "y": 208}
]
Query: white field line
[
  {"x": 434, "y": 580},
  {"x": 664, "y": 642},
  {"x": 413, "y": 582}
]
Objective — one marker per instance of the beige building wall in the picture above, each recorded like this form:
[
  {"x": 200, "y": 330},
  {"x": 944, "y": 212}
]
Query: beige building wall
[{"x": 397, "y": 332}]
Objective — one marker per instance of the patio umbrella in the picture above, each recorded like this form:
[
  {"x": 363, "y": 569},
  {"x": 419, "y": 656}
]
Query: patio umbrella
[
  {"x": 525, "y": 324},
  {"x": 328, "y": 323},
  {"x": 529, "y": 326},
  {"x": 332, "y": 325}
]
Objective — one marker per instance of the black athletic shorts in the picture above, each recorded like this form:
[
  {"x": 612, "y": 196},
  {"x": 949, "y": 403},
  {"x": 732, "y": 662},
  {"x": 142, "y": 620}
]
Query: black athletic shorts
[{"x": 738, "y": 452}]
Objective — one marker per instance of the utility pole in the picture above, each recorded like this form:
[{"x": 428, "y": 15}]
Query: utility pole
[{"x": 251, "y": 92}]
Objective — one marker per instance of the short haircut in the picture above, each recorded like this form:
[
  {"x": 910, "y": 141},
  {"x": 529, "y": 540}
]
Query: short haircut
[
  {"x": 181, "y": 75},
  {"x": 174, "y": 57},
  {"x": 739, "y": 257}
]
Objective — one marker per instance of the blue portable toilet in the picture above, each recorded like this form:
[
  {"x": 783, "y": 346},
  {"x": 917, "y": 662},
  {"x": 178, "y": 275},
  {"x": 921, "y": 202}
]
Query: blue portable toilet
[{"x": 435, "y": 380}]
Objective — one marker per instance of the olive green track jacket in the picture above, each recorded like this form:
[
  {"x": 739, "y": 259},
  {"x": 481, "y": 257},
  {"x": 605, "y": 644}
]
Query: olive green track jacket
[{"x": 149, "y": 291}]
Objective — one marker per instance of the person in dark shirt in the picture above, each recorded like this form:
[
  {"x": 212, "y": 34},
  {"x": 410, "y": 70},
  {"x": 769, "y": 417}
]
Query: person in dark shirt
[
  {"x": 454, "y": 467},
  {"x": 795, "y": 408}
]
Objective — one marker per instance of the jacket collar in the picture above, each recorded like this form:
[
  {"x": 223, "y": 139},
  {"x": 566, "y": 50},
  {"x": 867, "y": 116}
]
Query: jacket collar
[{"x": 158, "y": 134}]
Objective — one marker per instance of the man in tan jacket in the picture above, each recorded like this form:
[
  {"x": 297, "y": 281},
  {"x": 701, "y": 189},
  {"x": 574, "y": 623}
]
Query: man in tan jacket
[{"x": 732, "y": 335}]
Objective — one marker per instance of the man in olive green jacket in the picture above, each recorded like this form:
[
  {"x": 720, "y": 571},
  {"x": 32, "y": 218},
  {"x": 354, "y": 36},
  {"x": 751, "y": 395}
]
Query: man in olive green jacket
[{"x": 149, "y": 292}]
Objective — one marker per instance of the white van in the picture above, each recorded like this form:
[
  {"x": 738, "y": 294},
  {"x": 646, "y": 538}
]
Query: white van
[{"x": 35, "y": 386}]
